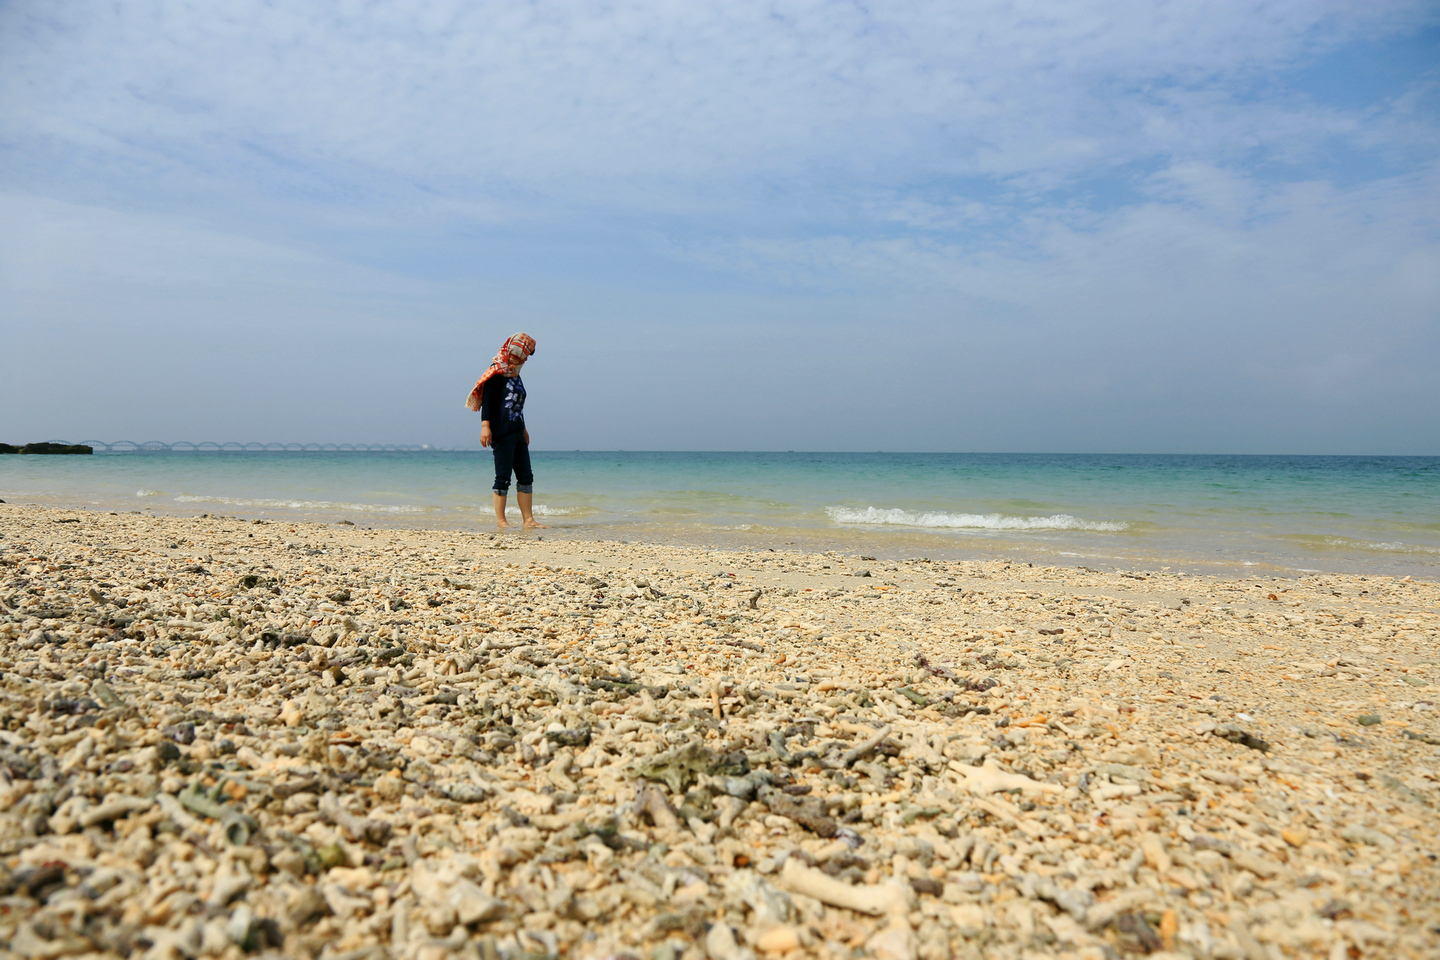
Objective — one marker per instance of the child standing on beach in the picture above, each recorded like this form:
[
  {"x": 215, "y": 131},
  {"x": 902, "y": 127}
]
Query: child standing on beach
[{"x": 499, "y": 395}]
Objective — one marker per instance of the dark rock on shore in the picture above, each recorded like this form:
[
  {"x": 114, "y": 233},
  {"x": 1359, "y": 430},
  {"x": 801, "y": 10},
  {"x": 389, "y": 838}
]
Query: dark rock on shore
[{"x": 46, "y": 448}]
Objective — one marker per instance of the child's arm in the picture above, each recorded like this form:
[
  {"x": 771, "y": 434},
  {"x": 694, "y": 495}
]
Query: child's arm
[{"x": 489, "y": 406}]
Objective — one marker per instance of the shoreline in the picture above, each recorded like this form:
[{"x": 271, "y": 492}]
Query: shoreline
[
  {"x": 888, "y": 544},
  {"x": 1288, "y": 516},
  {"x": 448, "y": 738}
]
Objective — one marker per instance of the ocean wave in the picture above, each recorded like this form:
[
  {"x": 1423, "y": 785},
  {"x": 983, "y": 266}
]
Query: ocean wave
[
  {"x": 149, "y": 493},
  {"x": 969, "y": 521},
  {"x": 1354, "y": 543},
  {"x": 303, "y": 504},
  {"x": 541, "y": 510}
]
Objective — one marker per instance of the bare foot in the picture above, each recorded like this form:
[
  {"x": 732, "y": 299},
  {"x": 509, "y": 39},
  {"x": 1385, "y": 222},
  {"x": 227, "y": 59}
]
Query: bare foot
[
  {"x": 503, "y": 525},
  {"x": 533, "y": 524}
]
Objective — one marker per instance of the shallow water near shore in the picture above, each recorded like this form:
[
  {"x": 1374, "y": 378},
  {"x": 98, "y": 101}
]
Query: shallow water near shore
[{"x": 1276, "y": 514}]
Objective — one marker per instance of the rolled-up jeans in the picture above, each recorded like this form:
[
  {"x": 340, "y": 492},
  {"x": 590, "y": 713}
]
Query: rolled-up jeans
[{"x": 512, "y": 453}]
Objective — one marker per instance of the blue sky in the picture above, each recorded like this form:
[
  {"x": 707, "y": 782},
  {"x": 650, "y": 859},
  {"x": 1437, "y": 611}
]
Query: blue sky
[{"x": 1148, "y": 227}]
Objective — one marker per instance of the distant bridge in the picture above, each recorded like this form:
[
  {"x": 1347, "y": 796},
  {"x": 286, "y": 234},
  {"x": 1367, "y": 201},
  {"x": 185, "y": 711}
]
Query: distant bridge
[{"x": 210, "y": 446}]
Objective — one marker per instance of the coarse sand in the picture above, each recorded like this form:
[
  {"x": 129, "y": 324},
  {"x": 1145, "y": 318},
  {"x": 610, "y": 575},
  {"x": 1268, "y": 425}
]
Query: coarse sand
[{"x": 222, "y": 737}]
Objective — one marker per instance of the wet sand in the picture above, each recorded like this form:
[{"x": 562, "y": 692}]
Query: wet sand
[{"x": 223, "y": 736}]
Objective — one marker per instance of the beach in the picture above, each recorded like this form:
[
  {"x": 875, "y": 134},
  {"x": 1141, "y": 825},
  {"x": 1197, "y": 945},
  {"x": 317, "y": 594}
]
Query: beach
[
  {"x": 1227, "y": 515},
  {"x": 225, "y": 735}
]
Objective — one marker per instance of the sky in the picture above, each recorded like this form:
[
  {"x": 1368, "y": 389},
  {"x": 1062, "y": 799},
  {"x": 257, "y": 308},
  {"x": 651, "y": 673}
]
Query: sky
[{"x": 1152, "y": 227}]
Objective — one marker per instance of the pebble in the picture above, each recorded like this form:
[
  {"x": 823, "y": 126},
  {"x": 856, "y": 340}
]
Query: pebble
[{"x": 294, "y": 740}]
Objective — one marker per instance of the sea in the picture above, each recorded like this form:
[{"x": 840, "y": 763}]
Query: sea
[{"x": 1228, "y": 515}]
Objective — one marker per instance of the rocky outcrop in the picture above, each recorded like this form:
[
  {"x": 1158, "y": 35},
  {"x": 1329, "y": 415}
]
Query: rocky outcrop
[{"x": 46, "y": 448}]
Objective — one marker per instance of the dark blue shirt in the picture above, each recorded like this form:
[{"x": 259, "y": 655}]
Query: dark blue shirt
[{"x": 502, "y": 403}]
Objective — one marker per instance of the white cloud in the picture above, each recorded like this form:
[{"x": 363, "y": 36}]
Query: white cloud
[
  {"x": 474, "y": 99},
  {"x": 1137, "y": 186}
]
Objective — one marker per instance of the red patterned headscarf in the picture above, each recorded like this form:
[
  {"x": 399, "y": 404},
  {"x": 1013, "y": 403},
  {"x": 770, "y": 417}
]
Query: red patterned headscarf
[{"x": 516, "y": 351}]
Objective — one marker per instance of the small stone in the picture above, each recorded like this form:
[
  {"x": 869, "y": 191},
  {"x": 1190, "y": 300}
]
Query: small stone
[
  {"x": 894, "y": 941},
  {"x": 463, "y": 791},
  {"x": 292, "y": 714},
  {"x": 989, "y": 778},
  {"x": 390, "y": 787},
  {"x": 473, "y": 906},
  {"x": 1256, "y": 864},
  {"x": 1154, "y": 849},
  {"x": 569, "y": 738},
  {"x": 1368, "y": 719},
  {"x": 720, "y": 944},
  {"x": 307, "y": 905},
  {"x": 969, "y": 918},
  {"x": 781, "y": 938},
  {"x": 289, "y": 861},
  {"x": 1358, "y": 833},
  {"x": 1241, "y": 736},
  {"x": 331, "y": 855}
]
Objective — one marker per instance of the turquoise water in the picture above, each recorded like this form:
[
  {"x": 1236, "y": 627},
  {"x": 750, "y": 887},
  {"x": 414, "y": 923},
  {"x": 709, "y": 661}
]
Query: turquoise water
[{"x": 1277, "y": 514}]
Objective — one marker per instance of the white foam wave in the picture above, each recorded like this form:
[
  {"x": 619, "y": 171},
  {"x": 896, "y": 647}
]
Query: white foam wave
[
  {"x": 1389, "y": 546},
  {"x": 544, "y": 511},
  {"x": 148, "y": 493},
  {"x": 303, "y": 504},
  {"x": 968, "y": 521}
]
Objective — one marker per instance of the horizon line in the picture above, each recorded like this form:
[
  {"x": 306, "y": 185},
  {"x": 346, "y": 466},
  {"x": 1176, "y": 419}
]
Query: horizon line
[{"x": 331, "y": 447}]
